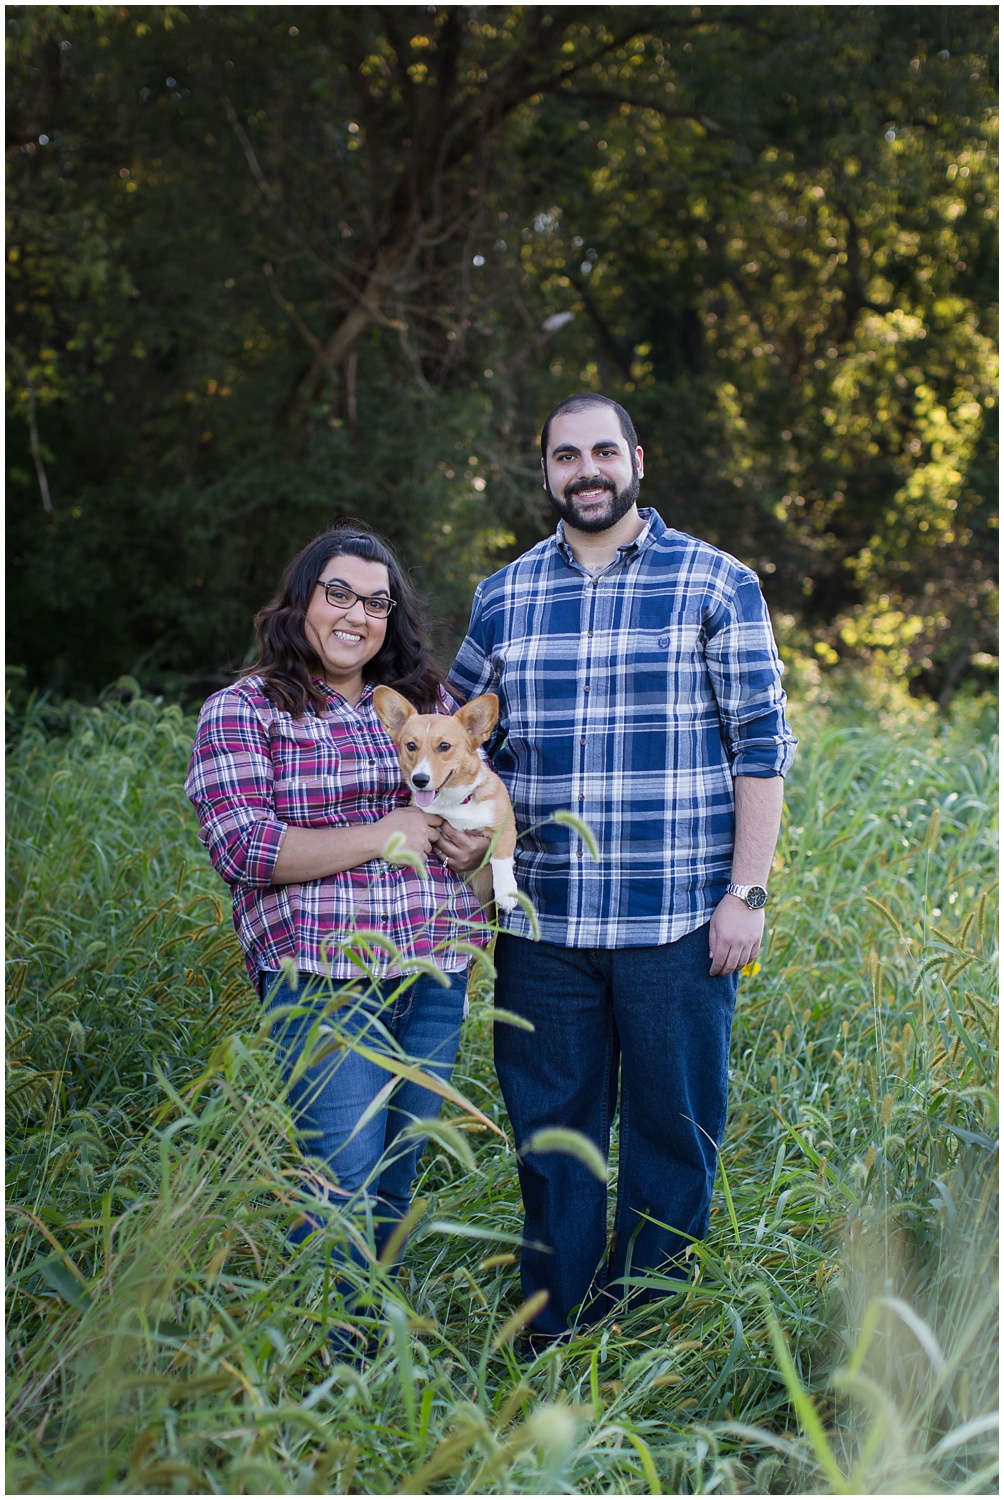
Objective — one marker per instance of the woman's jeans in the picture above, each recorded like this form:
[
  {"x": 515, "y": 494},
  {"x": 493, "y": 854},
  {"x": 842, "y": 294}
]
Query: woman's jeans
[
  {"x": 655, "y": 1016},
  {"x": 369, "y": 1166}
]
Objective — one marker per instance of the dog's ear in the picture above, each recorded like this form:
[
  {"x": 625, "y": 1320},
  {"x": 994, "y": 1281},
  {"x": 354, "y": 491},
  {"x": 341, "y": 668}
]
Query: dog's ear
[
  {"x": 480, "y": 716},
  {"x": 393, "y": 711}
]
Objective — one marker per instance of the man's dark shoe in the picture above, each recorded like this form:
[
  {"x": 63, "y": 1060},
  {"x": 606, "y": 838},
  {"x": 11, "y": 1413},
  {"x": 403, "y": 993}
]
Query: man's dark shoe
[
  {"x": 530, "y": 1346},
  {"x": 352, "y": 1346}
]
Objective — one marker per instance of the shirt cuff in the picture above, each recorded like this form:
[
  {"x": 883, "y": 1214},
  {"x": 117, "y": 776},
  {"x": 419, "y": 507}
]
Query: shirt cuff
[
  {"x": 262, "y": 851},
  {"x": 763, "y": 761}
]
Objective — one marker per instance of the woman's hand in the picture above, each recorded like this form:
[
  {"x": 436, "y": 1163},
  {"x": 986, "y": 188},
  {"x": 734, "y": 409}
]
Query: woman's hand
[
  {"x": 420, "y": 829},
  {"x": 461, "y": 852}
]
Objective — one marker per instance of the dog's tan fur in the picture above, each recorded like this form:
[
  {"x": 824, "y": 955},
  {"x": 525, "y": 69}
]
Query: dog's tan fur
[{"x": 441, "y": 751}]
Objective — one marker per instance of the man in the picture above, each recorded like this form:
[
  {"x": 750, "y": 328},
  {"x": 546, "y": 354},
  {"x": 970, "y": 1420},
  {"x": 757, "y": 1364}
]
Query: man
[{"x": 640, "y": 689}]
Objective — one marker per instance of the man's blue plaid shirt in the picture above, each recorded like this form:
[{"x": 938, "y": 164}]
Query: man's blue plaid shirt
[{"x": 631, "y": 699}]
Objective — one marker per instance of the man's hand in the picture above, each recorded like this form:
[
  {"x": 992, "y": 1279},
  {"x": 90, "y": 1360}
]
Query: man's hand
[
  {"x": 460, "y": 851},
  {"x": 735, "y": 937}
]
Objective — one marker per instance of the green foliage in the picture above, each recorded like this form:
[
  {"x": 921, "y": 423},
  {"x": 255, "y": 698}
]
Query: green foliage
[
  {"x": 840, "y": 1331},
  {"x": 266, "y": 270}
]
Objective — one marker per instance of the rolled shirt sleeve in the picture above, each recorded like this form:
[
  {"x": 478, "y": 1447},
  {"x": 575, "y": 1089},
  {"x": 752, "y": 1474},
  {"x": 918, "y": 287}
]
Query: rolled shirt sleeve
[
  {"x": 745, "y": 673},
  {"x": 231, "y": 785}
]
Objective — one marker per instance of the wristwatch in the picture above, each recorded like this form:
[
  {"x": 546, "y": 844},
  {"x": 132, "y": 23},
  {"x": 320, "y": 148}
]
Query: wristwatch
[{"x": 754, "y": 895}]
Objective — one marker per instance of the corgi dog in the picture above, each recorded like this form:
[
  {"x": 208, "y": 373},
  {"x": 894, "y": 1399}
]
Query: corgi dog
[{"x": 440, "y": 763}]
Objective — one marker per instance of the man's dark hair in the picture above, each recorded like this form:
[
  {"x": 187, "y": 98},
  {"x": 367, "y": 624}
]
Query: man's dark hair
[
  {"x": 287, "y": 661},
  {"x": 579, "y": 403}
]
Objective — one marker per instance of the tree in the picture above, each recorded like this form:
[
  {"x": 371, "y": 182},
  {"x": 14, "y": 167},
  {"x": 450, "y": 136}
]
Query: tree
[{"x": 266, "y": 268}]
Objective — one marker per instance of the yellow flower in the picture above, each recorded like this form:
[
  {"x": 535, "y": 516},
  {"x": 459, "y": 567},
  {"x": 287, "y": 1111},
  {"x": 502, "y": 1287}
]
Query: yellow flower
[{"x": 748, "y": 970}]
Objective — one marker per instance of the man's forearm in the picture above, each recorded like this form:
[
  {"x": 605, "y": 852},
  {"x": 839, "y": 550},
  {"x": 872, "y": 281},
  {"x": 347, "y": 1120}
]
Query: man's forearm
[
  {"x": 758, "y": 822},
  {"x": 736, "y": 931}
]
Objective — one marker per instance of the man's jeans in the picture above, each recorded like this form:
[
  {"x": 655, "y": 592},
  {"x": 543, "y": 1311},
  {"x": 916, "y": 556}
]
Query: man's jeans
[
  {"x": 372, "y": 1167},
  {"x": 657, "y": 1015}
]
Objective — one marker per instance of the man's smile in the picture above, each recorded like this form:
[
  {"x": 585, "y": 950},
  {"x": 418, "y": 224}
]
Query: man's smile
[{"x": 589, "y": 487}]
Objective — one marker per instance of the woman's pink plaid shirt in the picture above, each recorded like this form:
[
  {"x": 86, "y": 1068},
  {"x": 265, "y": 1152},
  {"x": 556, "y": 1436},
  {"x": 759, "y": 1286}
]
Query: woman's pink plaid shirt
[{"x": 255, "y": 771}]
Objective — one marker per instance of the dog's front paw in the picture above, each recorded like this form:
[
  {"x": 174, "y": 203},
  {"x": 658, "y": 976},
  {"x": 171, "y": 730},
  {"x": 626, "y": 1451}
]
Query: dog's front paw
[{"x": 505, "y": 900}]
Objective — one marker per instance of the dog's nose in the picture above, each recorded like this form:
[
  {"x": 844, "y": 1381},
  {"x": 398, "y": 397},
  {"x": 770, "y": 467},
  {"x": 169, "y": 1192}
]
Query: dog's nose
[{"x": 421, "y": 782}]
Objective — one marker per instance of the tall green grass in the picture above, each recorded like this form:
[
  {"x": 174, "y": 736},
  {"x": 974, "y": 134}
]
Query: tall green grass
[{"x": 839, "y": 1335}]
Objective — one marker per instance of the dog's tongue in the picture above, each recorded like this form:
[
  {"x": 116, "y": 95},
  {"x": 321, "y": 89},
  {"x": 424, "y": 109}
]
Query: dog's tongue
[{"x": 426, "y": 798}]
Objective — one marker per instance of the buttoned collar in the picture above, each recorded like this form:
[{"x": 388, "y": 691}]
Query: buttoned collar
[
  {"x": 334, "y": 696},
  {"x": 653, "y": 528}
]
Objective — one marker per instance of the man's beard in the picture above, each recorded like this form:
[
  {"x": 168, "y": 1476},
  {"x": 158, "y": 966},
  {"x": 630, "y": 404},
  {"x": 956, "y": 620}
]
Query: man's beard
[{"x": 602, "y": 516}]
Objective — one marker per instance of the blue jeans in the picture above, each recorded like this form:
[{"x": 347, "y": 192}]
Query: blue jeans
[
  {"x": 371, "y": 1169},
  {"x": 655, "y": 1017}
]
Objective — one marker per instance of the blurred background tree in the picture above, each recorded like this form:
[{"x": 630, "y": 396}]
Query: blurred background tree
[{"x": 271, "y": 265}]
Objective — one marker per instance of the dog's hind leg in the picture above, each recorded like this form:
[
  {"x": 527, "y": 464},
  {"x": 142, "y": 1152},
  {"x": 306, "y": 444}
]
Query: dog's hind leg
[
  {"x": 504, "y": 883},
  {"x": 503, "y": 871}
]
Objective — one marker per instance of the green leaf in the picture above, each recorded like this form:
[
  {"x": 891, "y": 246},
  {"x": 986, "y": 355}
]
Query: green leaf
[
  {"x": 396, "y": 852},
  {"x": 572, "y": 1143},
  {"x": 726, "y": 1189},
  {"x": 445, "y": 1135},
  {"x": 478, "y": 956},
  {"x": 805, "y": 1407},
  {"x": 647, "y": 1463},
  {"x": 472, "y": 1232},
  {"x": 519, "y": 1319},
  {"x": 66, "y": 1283},
  {"x": 531, "y": 914},
  {"x": 582, "y": 829},
  {"x": 510, "y": 1018},
  {"x": 402, "y": 1069}
]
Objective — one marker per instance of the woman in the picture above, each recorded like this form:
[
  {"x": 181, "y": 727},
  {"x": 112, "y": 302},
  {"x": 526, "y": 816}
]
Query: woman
[{"x": 298, "y": 791}]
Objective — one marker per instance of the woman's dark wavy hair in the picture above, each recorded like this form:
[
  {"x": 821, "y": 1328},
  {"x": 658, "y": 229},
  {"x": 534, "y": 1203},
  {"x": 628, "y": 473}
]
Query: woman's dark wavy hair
[{"x": 288, "y": 663}]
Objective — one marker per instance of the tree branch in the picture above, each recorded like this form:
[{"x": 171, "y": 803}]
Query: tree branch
[
  {"x": 36, "y": 447},
  {"x": 608, "y": 339},
  {"x": 614, "y": 96},
  {"x": 267, "y": 190},
  {"x": 289, "y": 309}
]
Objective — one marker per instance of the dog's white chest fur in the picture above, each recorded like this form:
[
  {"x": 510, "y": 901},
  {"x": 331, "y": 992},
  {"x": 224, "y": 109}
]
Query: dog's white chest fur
[{"x": 469, "y": 813}]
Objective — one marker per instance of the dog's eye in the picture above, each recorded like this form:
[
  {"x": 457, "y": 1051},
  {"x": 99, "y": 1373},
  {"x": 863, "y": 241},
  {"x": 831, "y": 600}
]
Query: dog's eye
[
  {"x": 411, "y": 745},
  {"x": 445, "y": 746}
]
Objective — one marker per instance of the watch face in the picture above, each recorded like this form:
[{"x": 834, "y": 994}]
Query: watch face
[{"x": 756, "y": 897}]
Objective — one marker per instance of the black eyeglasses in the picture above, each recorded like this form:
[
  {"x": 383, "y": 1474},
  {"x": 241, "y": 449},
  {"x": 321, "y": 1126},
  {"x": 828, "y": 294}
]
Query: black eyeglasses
[{"x": 343, "y": 598}]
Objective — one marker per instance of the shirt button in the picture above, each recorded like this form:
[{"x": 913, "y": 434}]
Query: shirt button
[
  {"x": 589, "y": 633},
  {"x": 582, "y": 796},
  {"x": 586, "y": 688},
  {"x": 578, "y": 854},
  {"x": 583, "y": 740},
  {"x": 596, "y": 583}
]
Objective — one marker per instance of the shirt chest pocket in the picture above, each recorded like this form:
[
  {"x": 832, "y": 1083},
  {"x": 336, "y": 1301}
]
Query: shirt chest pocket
[
  {"x": 303, "y": 752},
  {"x": 665, "y": 660}
]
